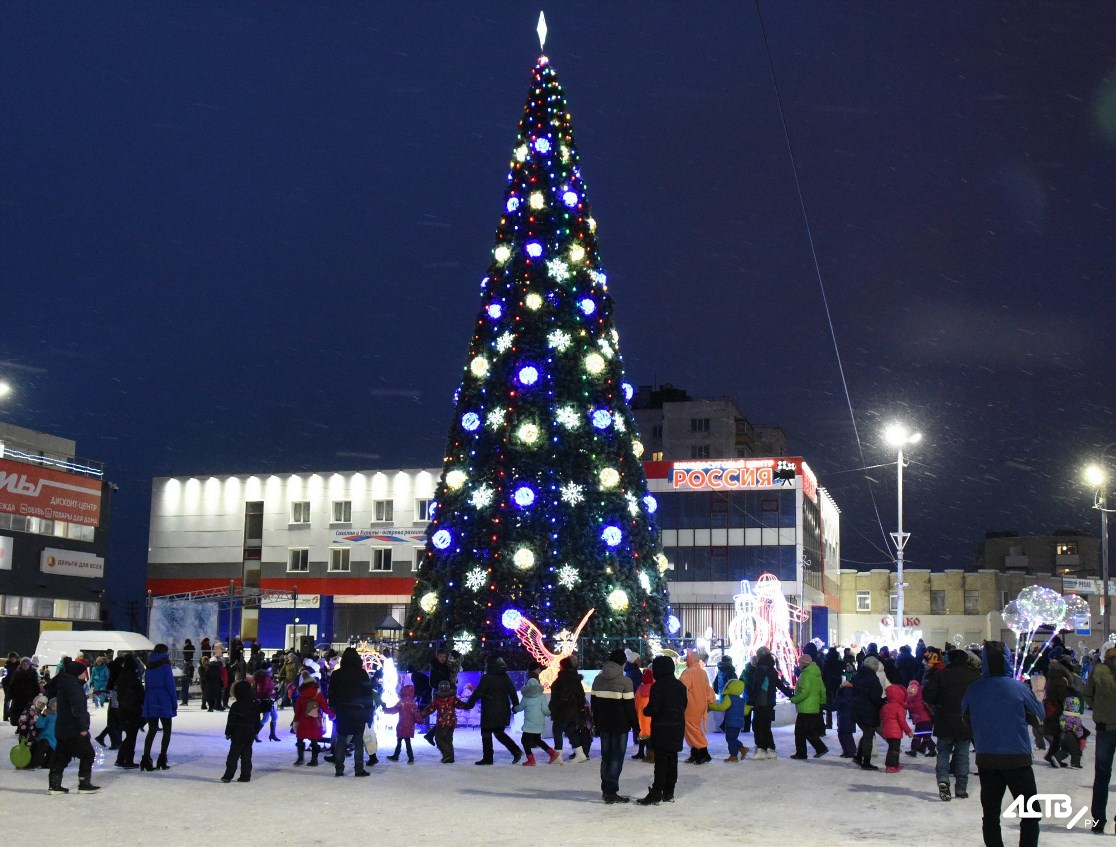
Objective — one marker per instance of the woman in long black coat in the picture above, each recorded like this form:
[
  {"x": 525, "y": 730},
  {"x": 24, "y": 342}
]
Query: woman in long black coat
[
  {"x": 867, "y": 698},
  {"x": 666, "y": 706},
  {"x": 497, "y": 696},
  {"x": 129, "y": 700},
  {"x": 23, "y": 688}
]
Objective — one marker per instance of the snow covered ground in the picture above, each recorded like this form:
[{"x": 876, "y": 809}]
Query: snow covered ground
[{"x": 826, "y": 801}]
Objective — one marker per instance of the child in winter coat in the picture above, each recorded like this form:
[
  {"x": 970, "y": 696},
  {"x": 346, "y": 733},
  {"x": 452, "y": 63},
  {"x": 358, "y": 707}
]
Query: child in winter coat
[
  {"x": 1073, "y": 732},
  {"x": 45, "y": 741},
  {"x": 409, "y": 715},
  {"x": 923, "y": 740},
  {"x": 98, "y": 681},
  {"x": 893, "y": 724},
  {"x": 642, "y": 696},
  {"x": 446, "y": 704},
  {"x": 241, "y": 727},
  {"x": 732, "y": 704},
  {"x": 308, "y": 721},
  {"x": 535, "y": 712},
  {"x": 846, "y": 726},
  {"x": 25, "y": 727},
  {"x": 265, "y": 701}
]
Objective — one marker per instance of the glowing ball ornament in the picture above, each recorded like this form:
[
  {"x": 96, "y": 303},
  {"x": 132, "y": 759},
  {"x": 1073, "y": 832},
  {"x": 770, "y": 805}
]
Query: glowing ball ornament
[
  {"x": 609, "y": 478},
  {"x": 495, "y": 311},
  {"x": 513, "y": 204},
  {"x": 537, "y": 201},
  {"x": 524, "y": 496},
  {"x": 442, "y": 539},
  {"x": 629, "y": 392},
  {"x": 577, "y": 253},
  {"x": 528, "y": 375},
  {"x": 611, "y": 535},
  {"x": 470, "y": 421},
  {"x": 570, "y": 199},
  {"x": 662, "y": 562},
  {"x": 533, "y": 301},
  {"x": 429, "y": 602},
  {"x": 524, "y": 559},
  {"x": 521, "y": 153},
  {"x": 594, "y": 363},
  {"x": 534, "y": 249},
  {"x": 602, "y": 419},
  {"x": 651, "y": 503},
  {"x": 542, "y": 145},
  {"x": 479, "y": 367},
  {"x": 618, "y": 600},
  {"x": 527, "y": 433},
  {"x": 511, "y": 618},
  {"x": 673, "y": 624},
  {"x": 455, "y": 479},
  {"x": 637, "y": 447},
  {"x": 502, "y": 253},
  {"x": 587, "y": 305},
  {"x": 645, "y": 581}
]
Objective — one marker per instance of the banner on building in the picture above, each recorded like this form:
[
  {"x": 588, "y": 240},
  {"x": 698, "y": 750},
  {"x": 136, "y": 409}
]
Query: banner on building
[
  {"x": 389, "y": 536},
  {"x": 173, "y": 621},
  {"x": 1086, "y": 586},
  {"x": 305, "y": 601},
  {"x": 35, "y": 492},
  {"x": 71, "y": 563},
  {"x": 736, "y": 474}
]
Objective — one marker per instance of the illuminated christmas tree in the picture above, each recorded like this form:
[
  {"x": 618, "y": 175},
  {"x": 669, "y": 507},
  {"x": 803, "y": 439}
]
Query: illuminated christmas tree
[{"x": 542, "y": 507}]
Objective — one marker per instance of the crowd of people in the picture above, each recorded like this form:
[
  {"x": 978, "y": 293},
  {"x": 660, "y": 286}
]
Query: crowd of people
[{"x": 946, "y": 702}]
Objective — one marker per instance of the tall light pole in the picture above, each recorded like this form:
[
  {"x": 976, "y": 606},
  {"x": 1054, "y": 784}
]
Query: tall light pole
[
  {"x": 1097, "y": 476},
  {"x": 899, "y": 436}
]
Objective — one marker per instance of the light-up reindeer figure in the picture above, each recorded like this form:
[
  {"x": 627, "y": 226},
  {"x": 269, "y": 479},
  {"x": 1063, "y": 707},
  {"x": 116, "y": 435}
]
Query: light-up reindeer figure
[{"x": 531, "y": 637}]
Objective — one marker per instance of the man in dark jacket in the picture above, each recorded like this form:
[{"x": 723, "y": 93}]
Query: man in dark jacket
[
  {"x": 71, "y": 731},
  {"x": 613, "y": 703},
  {"x": 497, "y": 698},
  {"x": 765, "y": 681},
  {"x": 945, "y": 689},
  {"x": 998, "y": 709},
  {"x": 908, "y": 666},
  {"x": 1100, "y": 694},
  {"x": 351, "y": 697},
  {"x": 666, "y": 706},
  {"x": 567, "y": 704},
  {"x": 867, "y": 698}
]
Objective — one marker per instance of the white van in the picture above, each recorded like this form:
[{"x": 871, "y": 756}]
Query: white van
[{"x": 54, "y": 644}]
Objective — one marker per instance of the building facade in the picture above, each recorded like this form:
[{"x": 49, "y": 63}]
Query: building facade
[
  {"x": 344, "y": 545},
  {"x": 54, "y": 515}
]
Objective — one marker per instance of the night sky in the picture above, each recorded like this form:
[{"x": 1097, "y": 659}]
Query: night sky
[{"x": 249, "y": 237}]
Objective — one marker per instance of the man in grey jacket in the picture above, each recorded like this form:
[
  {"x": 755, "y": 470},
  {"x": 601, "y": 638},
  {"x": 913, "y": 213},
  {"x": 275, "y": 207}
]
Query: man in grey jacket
[
  {"x": 614, "y": 716},
  {"x": 1100, "y": 694},
  {"x": 72, "y": 731}
]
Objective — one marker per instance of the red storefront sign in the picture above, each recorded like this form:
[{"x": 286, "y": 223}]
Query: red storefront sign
[{"x": 36, "y": 492}]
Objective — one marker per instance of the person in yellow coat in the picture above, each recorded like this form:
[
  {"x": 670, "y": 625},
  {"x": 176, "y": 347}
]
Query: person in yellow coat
[{"x": 699, "y": 694}]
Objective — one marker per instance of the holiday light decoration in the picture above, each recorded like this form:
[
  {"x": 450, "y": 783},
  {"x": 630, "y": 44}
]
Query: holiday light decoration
[
  {"x": 531, "y": 637},
  {"x": 763, "y": 619},
  {"x": 429, "y": 602},
  {"x": 542, "y": 488}
]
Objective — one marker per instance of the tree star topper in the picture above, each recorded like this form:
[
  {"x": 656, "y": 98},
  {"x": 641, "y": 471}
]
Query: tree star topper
[{"x": 541, "y": 30}]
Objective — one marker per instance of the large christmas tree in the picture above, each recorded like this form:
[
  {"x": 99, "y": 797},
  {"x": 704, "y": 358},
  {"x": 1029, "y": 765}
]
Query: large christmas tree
[{"x": 542, "y": 507}]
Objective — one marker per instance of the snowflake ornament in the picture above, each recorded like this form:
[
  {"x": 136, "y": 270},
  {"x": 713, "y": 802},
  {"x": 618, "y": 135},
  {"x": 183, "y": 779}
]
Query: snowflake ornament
[
  {"x": 504, "y": 342},
  {"x": 573, "y": 493},
  {"x": 495, "y": 418},
  {"x": 568, "y": 417},
  {"x": 559, "y": 271},
  {"x": 482, "y": 497},
  {"x": 564, "y": 642},
  {"x": 559, "y": 340},
  {"x": 633, "y": 504},
  {"x": 568, "y": 576},
  {"x": 476, "y": 579}
]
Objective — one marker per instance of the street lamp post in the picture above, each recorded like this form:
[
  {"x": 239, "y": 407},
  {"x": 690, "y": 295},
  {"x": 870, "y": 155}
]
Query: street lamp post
[
  {"x": 899, "y": 436},
  {"x": 1097, "y": 476}
]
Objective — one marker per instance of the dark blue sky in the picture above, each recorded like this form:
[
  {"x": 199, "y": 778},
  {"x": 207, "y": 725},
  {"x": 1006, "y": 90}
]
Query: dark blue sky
[{"x": 249, "y": 237}]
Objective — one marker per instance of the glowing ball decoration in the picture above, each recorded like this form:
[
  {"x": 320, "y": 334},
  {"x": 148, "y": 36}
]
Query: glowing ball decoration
[
  {"x": 1014, "y": 619},
  {"x": 442, "y": 539},
  {"x": 533, "y": 301},
  {"x": 637, "y": 447},
  {"x": 611, "y": 535},
  {"x": 542, "y": 145},
  {"x": 479, "y": 367},
  {"x": 1041, "y": 604},
  {"x": 594, "y": 363},
  {"x": 495, "y": 311},
  {"x": 570, "y": 199},
  {"x": 528, "y": 375},
  {"x": 587, "y": 305},
  {"x": 609, "y": 477},
  {"x": 618, "y": 600},
  {"x": 470, "y": 421},
  {"x": 629, "y": 392},
  {"x": 651, "y": 503},
  {"x": 455, "y": 479},
  {"x": 524, "y": 559},
  {"x": 1077, "y": 609},
  {"x": 429, "y": 602},
  {"x": 645, "y": 581},
  {"x": 537, "y": 200},
  {"x": 524, "y": 496},
  {"x": 528, "y": 433},
  {"x": 602, "y": 419},
  {"x": 662, "y": 562},
  {"x": 534, "y": 249},
  {"x": 673, "y": 624},
  {"x": 502, "y": 253},
  {"x": 511, "y": 618},
  {"x": 513, "y": 204},
  {"x": 577, "y": 253}
]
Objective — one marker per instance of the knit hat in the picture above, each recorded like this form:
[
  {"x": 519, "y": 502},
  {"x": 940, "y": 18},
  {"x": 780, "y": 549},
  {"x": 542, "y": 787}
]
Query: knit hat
[
  {"x": 75, "y": 667},
  {"x": 617, "y": 656},
  {"x": 445, "y": 688}
]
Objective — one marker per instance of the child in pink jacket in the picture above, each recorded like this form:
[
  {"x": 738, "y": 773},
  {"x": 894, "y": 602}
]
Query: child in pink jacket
[
  {"x": 923, "y": 741},
  {"x": 893, "y": 724},
  {"x": 409, "y": 715}
]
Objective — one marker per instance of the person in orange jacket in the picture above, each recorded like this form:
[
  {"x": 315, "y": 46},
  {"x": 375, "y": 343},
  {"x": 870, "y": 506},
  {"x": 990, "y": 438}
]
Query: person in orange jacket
[
  {"x": 699, "y": 694},
  {"x": 642, "y": 696}
]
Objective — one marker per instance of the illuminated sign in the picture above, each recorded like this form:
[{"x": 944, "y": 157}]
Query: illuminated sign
[
  {"x": 36, "y": 492},
  {"x": 71, "y": 563},
  {"x": 739, "y": 474}
]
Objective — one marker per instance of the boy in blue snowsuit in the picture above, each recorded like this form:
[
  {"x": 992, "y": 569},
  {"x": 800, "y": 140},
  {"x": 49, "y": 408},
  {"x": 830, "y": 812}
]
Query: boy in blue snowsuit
[{"x": 732, "y": 703}]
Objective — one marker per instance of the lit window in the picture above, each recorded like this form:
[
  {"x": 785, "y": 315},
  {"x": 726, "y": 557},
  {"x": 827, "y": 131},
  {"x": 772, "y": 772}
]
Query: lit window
[
  {"x": 342, "y": 511},
  {"x": 381, "y": 559},
  {"x": 383, "y": 511},
  {"x": 298, "y": 559},
  {"x": 339, "y": 559},
  {"x": 300, "y": 511},
  {"x": 1068, "y": 549},
  {"x": 864, "y": 601}
]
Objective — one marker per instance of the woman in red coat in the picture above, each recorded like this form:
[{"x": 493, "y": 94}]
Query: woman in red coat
[{"x": 310, "y": 712}]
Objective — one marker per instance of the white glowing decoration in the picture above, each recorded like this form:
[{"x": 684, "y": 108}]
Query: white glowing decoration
[
  {"x": 618, "y": 422},
  {"x": 568, "y": 576},
  {"x": 536, "y": 200},
  {"x": 592, "y": 225},
  {"x": 568, "y": 417},
  {"x": 531, "y": 637},
  {"x": 637, "y": 447},
  {"x": 662, "y": 562},
  {"x": 612, "y": 536},
  {"x": 495, "y": 418},
  {"x": 606, "y": 349},
  {"x": 479, "y": 367},
  {"x": 569, "y": 198},
  {"x": 645, "y": 581},
  {"x": 594, "y": 363},
  {"x": 533, "y": 301},
  {"x": 429, "y": 602},
  {"x": 521, "y": 153},
  {"x": 633, "y": 504},
  {"x": 528, "y": 433},
  {"x": 542, "y": 145},
  {"x": 442, "y": 539},
  {"x": 463, "y": 643},
  {"x": 651, "y": 503},
  {"x": 577, "y": 253},
  {"x": 528, "y": 375},
  {"x": 564, "y": 153},
  {"x": 502, "y": 253},
  {"x": 599, "y": 278},
  {"x": 456, "y": 478},
  {"x": 572, "y": 493},
  {"x": 609, "y": 477},
  {"x": 476, "y": 579},
  {"x": 513, "y": 204},
  {"x": 763, "y": 619},
  {"x": 534, "y": 249},
  {"x": 470, "y": 421},
  {"x": 504, "y": 342},
  {"x": 618, "y": 600},
  {"x": 559, "y": 340},
  {"x": 482, "y": 497},
  {"x": 495, "y": 311},
  {"x": 558, "y": 270},
  {"x": 524, "y": 559}
]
